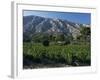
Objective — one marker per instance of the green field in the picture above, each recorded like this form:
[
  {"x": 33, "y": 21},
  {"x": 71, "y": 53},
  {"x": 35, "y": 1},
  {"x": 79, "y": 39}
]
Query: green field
[{"x": 36, "y": 55}]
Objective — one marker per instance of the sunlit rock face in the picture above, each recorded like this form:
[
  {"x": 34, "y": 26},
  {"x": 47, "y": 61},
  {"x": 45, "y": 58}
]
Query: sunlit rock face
[{"x": 37, "y": 24}]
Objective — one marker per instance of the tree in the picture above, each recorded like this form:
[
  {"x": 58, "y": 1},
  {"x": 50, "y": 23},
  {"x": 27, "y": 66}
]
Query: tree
[
  {"x": 85, "y": 31},
  {"x": 68, "y": 39},
  {"x": 46, "y": 42},
  {"x": 85, "y": 34},
  {"x": 62, "y": 37},
  {"x": 59, "y": 37},
  {"x": 51, "y": 37},
  {"x": 67, "y": 42}
]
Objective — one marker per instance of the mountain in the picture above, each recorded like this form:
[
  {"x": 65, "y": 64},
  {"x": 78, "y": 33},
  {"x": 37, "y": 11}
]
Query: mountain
[{"x": 36, "y": 24}]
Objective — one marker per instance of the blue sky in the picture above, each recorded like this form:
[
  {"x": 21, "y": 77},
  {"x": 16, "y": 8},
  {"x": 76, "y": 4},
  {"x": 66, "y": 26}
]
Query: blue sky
[{"x": 83, "y": 18}]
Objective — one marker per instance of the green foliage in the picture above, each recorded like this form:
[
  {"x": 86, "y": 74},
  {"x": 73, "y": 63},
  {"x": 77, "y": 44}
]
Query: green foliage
[
  {"x": 37, "y": 38},
  {"x": 57, "y": 48},
  {"x": 60, "y": 37},
  {"x": 85, "y": 34},
  {"x": 67, "y": 42},
  {"x": 68, "y": 39},
  {"x": 53, "y": 54},
  {"x": 46, "y": 43},
  {"x": 85, "y": 31}
]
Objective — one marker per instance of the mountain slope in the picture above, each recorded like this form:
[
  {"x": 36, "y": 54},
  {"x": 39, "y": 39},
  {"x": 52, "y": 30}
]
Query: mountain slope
[{"x": 37, "y": 24}]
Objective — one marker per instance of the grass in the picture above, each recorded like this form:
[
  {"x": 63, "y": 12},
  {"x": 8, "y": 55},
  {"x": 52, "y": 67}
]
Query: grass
[{"x": 72, "y": 54}]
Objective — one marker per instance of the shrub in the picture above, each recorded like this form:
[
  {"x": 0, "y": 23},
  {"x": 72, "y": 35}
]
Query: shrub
[
  {"x": 46, "y": 43},
  {"x": 67, "y": 42}
]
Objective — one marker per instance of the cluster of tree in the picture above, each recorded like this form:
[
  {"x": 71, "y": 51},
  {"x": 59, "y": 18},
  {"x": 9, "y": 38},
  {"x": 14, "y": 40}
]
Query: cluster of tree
[
  {"x": 57, "y": 39},
  {"x": 51, "y": 38},
  {"x": 45, "y": 39},
  {"x": 85, "y": 34}
]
